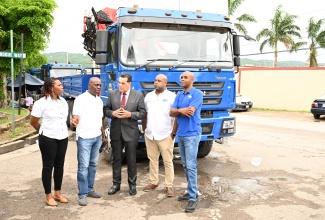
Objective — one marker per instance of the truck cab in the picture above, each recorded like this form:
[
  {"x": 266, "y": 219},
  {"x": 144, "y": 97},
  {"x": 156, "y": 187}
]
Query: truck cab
[{"x": 147, "y": 42}]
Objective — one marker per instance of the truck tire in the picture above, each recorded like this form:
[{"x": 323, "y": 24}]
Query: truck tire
[
  {"x": 316, "y": 116},
  {"x": 68, "y": 117},
  {"x": 72, "y": 128},
  {"x": 204, "y": 148},
  {"x": 108, "y": 152},
  {"x": 108, "y": 149},
  {"x": 108, "y": 155}
]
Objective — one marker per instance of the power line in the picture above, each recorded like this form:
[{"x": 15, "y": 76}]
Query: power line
[
  {"x": 280, "y": 51},
  {"x": 257, "y": 42}
]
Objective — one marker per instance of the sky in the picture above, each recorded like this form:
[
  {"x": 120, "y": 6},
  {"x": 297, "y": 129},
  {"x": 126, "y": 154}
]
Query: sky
[{"x": 68, "y": 24}]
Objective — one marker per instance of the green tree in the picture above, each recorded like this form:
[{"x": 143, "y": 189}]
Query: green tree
[
  {"x": 317, "y": 37},
  {"x": 282, "y": 30},
  {"x": 34, "y": 19},
  {"x": 232, "y": 7}
]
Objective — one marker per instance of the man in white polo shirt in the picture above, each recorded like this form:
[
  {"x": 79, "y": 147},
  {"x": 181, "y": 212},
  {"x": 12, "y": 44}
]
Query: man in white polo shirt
[
  {"x": 87, "y": 117},
  {"x": 160, "y": 131}
]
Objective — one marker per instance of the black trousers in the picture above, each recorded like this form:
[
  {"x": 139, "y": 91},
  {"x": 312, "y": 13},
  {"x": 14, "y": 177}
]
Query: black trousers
[
  {"x": 130, "y": 153},
  {"x": 53, "y": 155}
]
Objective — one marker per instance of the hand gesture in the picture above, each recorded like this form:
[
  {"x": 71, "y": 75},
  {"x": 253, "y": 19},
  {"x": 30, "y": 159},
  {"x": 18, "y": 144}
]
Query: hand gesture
[
  {"x": 75, "y": 121},
  {"x": 121, "y": 113},
  {"x": 188, "y": 112}
]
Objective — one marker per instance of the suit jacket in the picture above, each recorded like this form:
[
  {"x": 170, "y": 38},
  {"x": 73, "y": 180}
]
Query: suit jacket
[{"x": 128, "y": 127}]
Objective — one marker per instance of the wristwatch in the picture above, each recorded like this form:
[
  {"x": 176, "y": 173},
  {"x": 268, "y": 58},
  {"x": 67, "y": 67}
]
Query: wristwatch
[{"x": 173, "y": 134}]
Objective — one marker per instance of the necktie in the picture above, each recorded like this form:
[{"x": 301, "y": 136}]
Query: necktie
[{"x": 123, "y": 100}]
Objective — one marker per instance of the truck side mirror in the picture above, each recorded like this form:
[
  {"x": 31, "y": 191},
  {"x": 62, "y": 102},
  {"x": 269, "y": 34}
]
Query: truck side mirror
[
  {"x": 102, "y": 41},
  {"x": 236, "y": 61},
  {"x": 236, "y": 45},
  {"x": 102, "y": 59}
]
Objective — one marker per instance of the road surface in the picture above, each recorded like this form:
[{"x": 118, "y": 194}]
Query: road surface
[{"x": 289, "y": 183}]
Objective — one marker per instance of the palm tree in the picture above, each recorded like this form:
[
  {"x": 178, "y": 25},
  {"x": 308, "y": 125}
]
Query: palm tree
[
  {"x": 283, "y": 29},
  {"x": 317, "y": 37},
  {"x": 232, "y": 7}
]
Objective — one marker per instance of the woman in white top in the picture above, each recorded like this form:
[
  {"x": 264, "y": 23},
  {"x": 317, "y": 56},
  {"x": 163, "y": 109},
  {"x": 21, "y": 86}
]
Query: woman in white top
[{"x": 53, "y": 137}]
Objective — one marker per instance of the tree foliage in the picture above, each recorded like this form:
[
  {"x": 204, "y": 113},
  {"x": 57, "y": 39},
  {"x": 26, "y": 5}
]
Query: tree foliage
[
  {"x": 317, "y": 37},
  {"x": 282, "y": 30},
  {"x": 232, "y": 7},
  {"x": 34, "y": 19}
]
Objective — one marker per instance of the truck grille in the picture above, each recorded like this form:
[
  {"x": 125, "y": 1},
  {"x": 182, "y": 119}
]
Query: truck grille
[
  {"x": 212, "y": 91},
  {"x": 206, "y": 114},
  {"x": 207, "y": 128}
]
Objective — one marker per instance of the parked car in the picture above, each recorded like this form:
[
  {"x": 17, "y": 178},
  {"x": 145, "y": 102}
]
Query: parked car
[
  {"x": 318, "y": 107},
  {"x": 243, "y": 103}
]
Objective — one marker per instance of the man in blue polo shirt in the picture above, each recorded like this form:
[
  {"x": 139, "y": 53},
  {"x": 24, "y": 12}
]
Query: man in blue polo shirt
[{"x": 187, "y": 108}]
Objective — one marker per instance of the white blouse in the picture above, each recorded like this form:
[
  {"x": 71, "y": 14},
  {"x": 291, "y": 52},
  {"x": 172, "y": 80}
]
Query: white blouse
[{"x": 54, "y": 116}]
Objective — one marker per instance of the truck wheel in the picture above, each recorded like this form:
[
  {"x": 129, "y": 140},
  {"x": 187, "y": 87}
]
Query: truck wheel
[
  {"x": 108, "y": 154},
  {"x": 204, "y": 148},
  {"x": 68, "y": 117},
  {"x": 72, "y": 128},
  {"x": 316, "y": 116}
]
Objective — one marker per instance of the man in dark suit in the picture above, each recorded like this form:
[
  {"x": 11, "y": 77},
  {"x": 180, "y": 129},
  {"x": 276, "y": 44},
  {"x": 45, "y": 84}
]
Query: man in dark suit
[{"x": 124, "y": 107}]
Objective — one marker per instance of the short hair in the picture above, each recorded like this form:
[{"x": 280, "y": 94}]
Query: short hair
[{"x": 127, "y": 75}]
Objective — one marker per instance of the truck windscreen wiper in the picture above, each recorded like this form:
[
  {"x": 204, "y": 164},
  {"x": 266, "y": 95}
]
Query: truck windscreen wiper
[
  {"x": 215, "y": 61},
  {"x": 154, "y": 60},
  {"x": 186, "y": 61}
]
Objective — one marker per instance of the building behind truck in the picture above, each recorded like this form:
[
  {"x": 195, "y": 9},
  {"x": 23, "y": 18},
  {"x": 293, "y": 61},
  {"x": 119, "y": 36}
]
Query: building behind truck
[{"x": 146, "y": 42}]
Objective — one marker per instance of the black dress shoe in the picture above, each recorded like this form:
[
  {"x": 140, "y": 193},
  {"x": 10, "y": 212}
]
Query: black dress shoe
[
  {"x": 133, "y": 190},
  {"x": 191, "y": 206},
  {"x": 184, "y": 197},
  {"x": 113, "y": 190}
]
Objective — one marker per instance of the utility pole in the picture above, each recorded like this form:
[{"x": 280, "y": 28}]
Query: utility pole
[
  {"x": 21, "y": 73},
  {"x": 12, "y": 84}
]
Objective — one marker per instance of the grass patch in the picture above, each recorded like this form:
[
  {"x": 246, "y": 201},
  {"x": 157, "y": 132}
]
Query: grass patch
[
  {"x": 8, "y": 110},
  {"x": 19, "y": 130},
  {"x": 4, "y": 121}
]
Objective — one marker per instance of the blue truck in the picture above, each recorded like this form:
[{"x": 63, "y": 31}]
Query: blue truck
[
  {"x": 146, "y": 42},
  {"x": 74, "y": 78}
]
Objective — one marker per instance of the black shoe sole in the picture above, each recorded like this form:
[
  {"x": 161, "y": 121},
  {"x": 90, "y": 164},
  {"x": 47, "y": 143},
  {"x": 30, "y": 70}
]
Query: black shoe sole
[
  {"x": 132, "y": 193},
  {"x": 112, "y": 193},
  {"x": 95, "y": 197}
]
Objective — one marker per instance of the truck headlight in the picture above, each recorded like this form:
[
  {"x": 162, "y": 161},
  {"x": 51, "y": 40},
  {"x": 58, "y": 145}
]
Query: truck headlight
[
  {"x": 228, "y": 127},
  {"x": 228, "y": 124}
]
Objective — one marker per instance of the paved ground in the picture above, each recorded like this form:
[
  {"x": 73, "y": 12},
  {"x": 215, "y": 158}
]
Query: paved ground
[{"x": 288, "y": 184}]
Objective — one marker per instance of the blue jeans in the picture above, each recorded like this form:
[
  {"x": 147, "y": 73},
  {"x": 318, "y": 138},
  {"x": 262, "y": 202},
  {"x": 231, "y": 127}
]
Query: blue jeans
[
  {"x": 188, "y": 148},
  {"x": 88, "y": 152}
]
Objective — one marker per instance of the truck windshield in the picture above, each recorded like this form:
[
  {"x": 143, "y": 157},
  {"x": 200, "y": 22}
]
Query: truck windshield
[
  {"x": 64, "y": 72},
  {"x": 174, "y": 45}
]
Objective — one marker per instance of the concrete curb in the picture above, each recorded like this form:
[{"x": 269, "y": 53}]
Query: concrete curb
[
  {"x": 12, "y": 146},
  {"x": 29, "y": 140},
  {"x": 7, "y": 126},
  {"x": 17, "y": 144}
]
